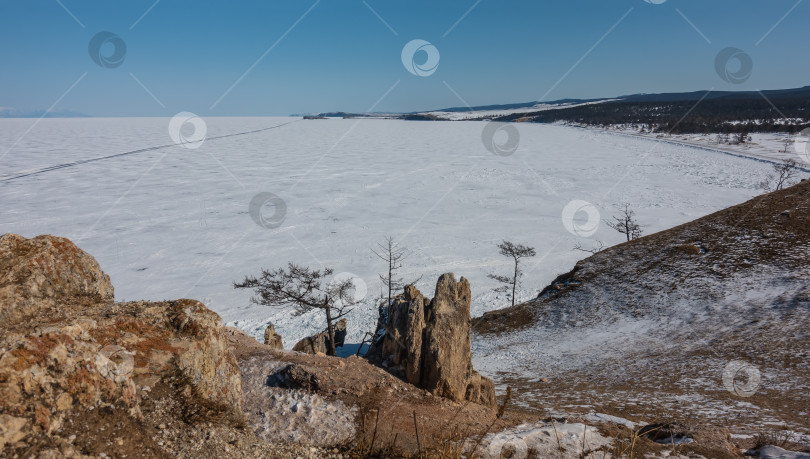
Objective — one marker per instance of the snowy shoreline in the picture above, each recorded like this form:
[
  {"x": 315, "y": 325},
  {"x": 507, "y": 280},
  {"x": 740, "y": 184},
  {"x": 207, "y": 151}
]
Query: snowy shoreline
[{"x": 749, "y": 150}]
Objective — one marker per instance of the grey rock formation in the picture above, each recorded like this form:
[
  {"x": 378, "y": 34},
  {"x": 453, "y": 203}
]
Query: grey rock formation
[
  {"x": 427, "y": 343},
  {"x": 320, "y": 343}
]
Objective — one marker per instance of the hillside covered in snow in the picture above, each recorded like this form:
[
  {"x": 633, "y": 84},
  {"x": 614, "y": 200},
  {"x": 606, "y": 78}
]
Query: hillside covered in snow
[{"x": 705, "y": 322}]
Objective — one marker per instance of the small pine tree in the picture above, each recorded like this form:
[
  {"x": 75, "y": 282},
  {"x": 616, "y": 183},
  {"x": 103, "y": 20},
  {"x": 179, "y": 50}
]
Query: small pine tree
[{"x": 516, "y": 252}]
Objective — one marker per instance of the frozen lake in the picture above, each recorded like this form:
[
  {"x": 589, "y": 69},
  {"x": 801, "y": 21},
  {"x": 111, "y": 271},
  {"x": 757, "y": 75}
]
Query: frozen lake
[{"x": 173, "y": 222}]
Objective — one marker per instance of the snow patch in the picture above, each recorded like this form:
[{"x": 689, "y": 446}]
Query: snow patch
[
  {"x": 564, "y": 441},
  {"x": 292, "y": 415}
]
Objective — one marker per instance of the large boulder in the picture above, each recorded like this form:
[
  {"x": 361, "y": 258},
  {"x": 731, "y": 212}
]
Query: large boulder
[
  {"x": 315, "y": 344},
  {"x": 319, "y": 343},
  {"x": 106, "y": 355},
  {"x": 83, "y": 356},
  {"x": 427, "y": 342},
  {"x": 38, "y": 272}
]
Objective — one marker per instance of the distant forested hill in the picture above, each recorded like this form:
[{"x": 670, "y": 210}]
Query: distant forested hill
[{"x": 696, "y": 112}]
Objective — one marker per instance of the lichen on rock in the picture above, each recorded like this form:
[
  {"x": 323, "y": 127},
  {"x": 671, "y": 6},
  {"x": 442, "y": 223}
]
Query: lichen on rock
[
  {"x": 37, "y": 273},
  {"x": 68, "y": 349}
]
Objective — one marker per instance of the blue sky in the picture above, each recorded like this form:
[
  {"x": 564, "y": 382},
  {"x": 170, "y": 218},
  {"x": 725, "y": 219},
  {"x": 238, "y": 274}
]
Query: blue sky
[{"x": 342, "y": 56}]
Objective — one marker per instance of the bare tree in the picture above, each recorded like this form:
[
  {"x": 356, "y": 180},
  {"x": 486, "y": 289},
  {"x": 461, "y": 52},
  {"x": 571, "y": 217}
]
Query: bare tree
[
  {"x": 516, "y": 251},
  {"x": 306, "y": 290},
  {"x": 392, "y": 253},
  {"x": 626, "y": 223},
  {"x": 598, "y": 248},
  {"x": 786, "y": 172},
  {"x": 787, "y": 143}
]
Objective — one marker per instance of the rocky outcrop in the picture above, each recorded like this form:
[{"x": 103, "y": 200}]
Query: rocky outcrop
[
  {"x": 315, "y": 344},
  {"x": 427, "y": 342},
  {"x": 83, "y": 376},
  {"x": 37, "y": 273},
  {"x": 108, "y": 356},
  {"x": 83, "y": 357},
  {"x": 271, "y": 338},
  {"x": 320, "y": 343}
]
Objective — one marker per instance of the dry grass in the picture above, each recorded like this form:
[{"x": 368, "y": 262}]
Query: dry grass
[
  {"x": 630, "y": 444},
  {"x": 450, "y": 443},
  {"x": 450, "y": 446},
  {"x": 781, "y": 438},
  {"x": 447, "y": 446},
  {"x": 366, "y": 446}
]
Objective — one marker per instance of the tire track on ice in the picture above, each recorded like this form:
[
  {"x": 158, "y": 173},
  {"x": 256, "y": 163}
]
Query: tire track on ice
[{"x": 28, "y": 173}]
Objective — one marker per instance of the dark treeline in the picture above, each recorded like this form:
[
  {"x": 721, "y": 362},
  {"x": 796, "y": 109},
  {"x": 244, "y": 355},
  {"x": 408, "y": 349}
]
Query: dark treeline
[{"x": 734, "y": 114}]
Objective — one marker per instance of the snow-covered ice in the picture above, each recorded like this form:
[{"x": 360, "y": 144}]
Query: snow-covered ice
[{"x": 173, "y": 222}]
